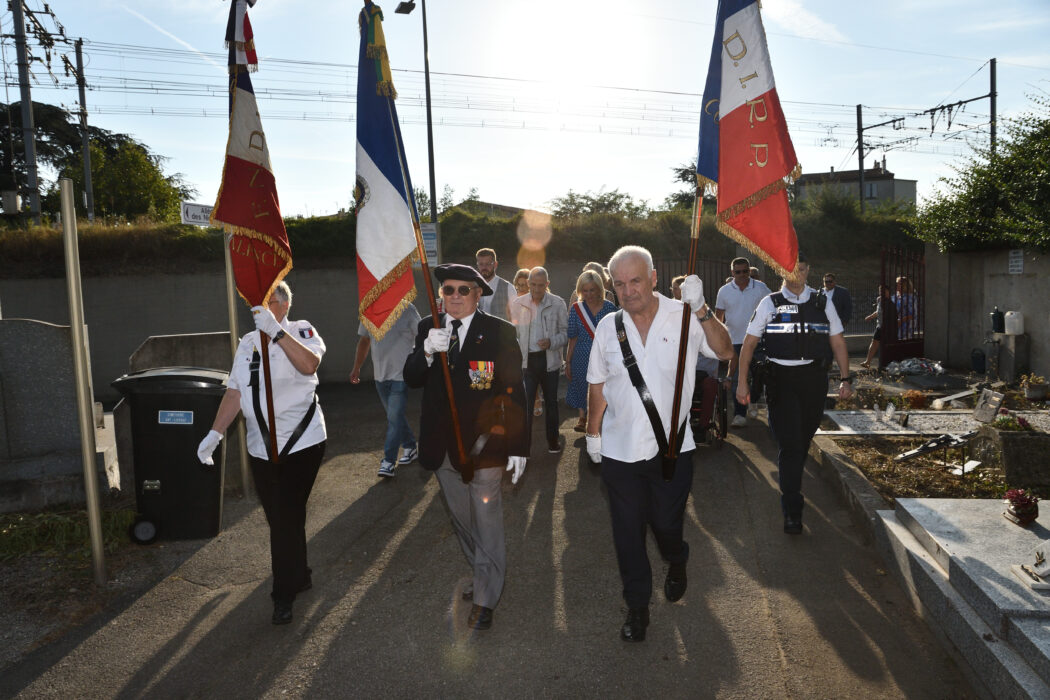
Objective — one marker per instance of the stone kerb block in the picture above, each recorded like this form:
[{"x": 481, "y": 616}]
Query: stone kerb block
[{"x": 39, "y": 400}]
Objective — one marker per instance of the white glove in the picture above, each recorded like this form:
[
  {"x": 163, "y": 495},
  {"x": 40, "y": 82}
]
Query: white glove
[
  {"x": 516, "y": 465},
  {"x": 436, "y": 340},
  {"x": 594, "y": 448},
  {"x": 693, "y": 292},
  {"x": 265, "y": 321},
  {"x": 207, "y": 446}
]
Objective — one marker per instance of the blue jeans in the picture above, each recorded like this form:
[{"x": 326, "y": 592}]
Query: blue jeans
[{"x": 393, "y": 395}]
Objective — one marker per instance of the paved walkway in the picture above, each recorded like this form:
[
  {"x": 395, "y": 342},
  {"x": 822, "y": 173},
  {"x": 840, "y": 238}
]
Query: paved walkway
[{"x": 765, "y": 616}]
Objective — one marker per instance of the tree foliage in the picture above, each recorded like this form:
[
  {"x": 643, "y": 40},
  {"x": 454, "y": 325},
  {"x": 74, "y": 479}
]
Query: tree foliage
[
  {"x": 996, "y": 200},
  {"x": 127, "y": 178},
  {"x": 574, "y": 205}
]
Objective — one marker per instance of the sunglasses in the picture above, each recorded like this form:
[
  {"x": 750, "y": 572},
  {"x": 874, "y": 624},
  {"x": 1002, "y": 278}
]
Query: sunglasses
[
  {"x": 741, "y": 272},
  {"x": 464, "y": 289}
]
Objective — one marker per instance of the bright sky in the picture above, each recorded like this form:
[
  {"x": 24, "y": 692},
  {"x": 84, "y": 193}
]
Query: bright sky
[{"x": 532, "y": 99}]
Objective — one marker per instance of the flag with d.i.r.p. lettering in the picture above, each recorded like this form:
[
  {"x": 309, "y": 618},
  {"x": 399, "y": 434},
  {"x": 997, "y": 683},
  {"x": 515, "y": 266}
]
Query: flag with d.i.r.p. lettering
[{"x": 745, "y": 149}]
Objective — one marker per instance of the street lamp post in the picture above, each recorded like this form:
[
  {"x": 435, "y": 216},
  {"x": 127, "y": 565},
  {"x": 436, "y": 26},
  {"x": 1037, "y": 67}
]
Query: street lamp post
[{"x": 405, "y": 8}]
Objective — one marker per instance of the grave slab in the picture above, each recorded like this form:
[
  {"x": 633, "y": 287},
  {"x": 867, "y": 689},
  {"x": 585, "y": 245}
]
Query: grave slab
[{"x": 976, "y": 545}]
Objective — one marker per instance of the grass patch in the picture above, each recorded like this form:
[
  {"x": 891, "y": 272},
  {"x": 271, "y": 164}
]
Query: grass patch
[{"x": 60, "y": 532}]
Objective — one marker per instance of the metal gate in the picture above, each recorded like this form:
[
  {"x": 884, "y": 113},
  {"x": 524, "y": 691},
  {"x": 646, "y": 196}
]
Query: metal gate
[
  {"x": 712, "y": 272},
  {"x": 904, "y": 272}
]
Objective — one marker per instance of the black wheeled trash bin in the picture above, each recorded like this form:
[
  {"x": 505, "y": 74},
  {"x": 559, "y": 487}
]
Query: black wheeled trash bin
[{"x": 172, "y": 409}]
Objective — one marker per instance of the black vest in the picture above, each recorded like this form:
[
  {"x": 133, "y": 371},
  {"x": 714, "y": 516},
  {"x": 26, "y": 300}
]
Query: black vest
[{"x": 799, "y": 331}]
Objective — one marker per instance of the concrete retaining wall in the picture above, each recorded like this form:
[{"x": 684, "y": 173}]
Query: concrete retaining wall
[
  {"x": 121, "y": 312},
  {"x": 963, "y": 288}
]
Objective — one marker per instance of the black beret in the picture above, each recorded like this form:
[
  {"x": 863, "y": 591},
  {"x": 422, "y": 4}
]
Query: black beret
[{"x": 455, "y": 271}]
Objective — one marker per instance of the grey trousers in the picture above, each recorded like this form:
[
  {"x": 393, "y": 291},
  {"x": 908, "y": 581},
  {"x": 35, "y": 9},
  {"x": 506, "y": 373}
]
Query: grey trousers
[{"x": 477, "y": 517}]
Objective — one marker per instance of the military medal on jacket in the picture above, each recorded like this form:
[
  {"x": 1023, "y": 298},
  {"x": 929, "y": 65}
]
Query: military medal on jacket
[{"x": 481, "y": 374}]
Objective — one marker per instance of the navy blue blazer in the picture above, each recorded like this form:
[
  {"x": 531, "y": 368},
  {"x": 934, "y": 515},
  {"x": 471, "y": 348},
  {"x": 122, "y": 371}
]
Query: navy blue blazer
[{"x": 492, "y": 406}]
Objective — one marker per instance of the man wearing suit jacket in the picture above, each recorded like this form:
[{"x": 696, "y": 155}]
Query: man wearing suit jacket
[
  {"x": 839, "y": 297},
  {"x": 485, "y": 364}
]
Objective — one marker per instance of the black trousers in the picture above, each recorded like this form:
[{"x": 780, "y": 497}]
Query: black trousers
[
  {"x": 283, "y": 491},
  {"x": 536, "y": 375},
  {"x": 639, "y": 497},
  {"x": 796, "y": 404}
]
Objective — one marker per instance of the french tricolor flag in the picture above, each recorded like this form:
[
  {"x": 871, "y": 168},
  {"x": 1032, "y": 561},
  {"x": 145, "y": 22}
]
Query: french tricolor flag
[
  {"x": 745, "y": 149},
  {"x": 385, "y": 203}
]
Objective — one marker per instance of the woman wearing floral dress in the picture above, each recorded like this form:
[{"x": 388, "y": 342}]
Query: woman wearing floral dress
[{"x": 584, "y": 315}]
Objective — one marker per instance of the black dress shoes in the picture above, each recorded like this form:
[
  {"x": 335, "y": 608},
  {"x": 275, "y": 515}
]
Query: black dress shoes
[
  {"x": 675, "y": 583},
  {"x": 633, "y": 629},
  {"x": 282, "y": 613},
  {"x": 793, "y": 524},
  {"x": 480, "y": 617}
]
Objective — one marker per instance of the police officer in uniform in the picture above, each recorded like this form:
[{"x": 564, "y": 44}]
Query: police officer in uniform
[
  {"x": 284, "y": 485},
  {"x": 802, "y": 332}
]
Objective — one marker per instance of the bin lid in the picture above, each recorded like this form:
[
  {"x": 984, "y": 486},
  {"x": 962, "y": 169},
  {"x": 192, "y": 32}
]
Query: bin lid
[{"x": 162, "y": 379}]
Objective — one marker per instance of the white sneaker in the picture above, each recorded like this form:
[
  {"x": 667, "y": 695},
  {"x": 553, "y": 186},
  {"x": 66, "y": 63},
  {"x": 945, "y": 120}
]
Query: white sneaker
[
  {"x": 408, "y": 455},
  {"x": 752, "y": 410},
  {"x": 386, "y": 469},
  {"x": 739, "y": 421}
]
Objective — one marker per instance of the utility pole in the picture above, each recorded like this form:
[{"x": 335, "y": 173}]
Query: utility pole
[
  {"x": 991, "y": 94},
  {"x": 89, "y": 197},
  {"x": 860, "y": 156},
  {"x": 28, "y": 130}
]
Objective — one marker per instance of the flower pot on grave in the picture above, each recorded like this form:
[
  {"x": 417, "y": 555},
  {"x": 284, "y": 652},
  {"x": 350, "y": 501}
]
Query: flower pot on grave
[
  {"x": 1022, "y": 454},
  {"x": 1035, "y": 392},
  {"x": 1022, "y": 515}
]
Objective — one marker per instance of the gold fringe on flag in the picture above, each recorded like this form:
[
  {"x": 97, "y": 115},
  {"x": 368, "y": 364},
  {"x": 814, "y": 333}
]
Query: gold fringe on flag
[
  {"x": 722, "y": 218},
  {"x": 376, "y": 50},
  {"x": 381, "y": 286}
]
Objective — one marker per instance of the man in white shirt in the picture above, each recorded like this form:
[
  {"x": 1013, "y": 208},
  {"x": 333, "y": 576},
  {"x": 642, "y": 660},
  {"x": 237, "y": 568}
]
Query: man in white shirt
[
  {"x": 735, "y": 303},
  {"x": 498, "y": 303},
  {"x": 621, "y": 435},
  {"x": 542, "y": 323},
  {"x": 802, "y": 332}
]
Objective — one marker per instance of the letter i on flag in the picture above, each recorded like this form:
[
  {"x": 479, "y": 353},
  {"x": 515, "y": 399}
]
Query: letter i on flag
[
  {"x": 386, "y": 207},
  {"x": 745, "y": 150},
  {"x": 247, "y": 205}
]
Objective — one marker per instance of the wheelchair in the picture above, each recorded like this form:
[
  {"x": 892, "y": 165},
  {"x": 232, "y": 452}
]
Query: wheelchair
[{"x": 709, "y": 413}]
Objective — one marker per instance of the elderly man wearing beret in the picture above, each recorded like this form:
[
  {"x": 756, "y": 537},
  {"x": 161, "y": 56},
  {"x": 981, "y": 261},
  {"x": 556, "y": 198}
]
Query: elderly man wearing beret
[{"x": 489, "y": 393}]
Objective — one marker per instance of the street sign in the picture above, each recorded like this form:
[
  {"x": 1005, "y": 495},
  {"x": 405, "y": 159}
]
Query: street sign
[
  {"x": 196, "y": 214},
  {"x": 430, "y": 244}
]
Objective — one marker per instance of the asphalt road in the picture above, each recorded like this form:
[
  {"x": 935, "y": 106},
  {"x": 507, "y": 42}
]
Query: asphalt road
[{"x": 765, "y": 616}]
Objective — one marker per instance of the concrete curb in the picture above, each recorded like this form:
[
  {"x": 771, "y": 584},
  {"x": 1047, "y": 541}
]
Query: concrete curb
[{"x": 992, "y": 670}]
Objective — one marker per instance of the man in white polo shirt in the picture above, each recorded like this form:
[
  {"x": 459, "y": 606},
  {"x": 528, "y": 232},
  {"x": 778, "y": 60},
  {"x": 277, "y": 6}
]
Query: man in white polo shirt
[
  {"x": 621, "y": 435},
  {"x": 735, "y": 303}
]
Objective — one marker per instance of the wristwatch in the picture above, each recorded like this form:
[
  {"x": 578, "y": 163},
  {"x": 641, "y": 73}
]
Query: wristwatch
[
  {"x": 708, "y": 316},
  {"x": 848, "y": 380},
  {"x": 280, "y": 334}
]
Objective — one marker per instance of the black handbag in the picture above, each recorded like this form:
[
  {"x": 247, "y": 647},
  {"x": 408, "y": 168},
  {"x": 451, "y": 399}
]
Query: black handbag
[{"x": 667, "y": 463}]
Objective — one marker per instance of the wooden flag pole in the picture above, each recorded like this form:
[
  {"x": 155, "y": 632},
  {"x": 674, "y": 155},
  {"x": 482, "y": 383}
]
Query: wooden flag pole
[
  {"x": 265, "y": 342},
  {"x": 683, "y": 343},
  {"x": 467, "y": 470}
]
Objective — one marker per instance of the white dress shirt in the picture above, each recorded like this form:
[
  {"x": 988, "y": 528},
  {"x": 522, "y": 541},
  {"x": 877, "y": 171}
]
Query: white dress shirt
[
  {"x": 627, "y": 433},
  {"x": 293, "y": 392}
]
